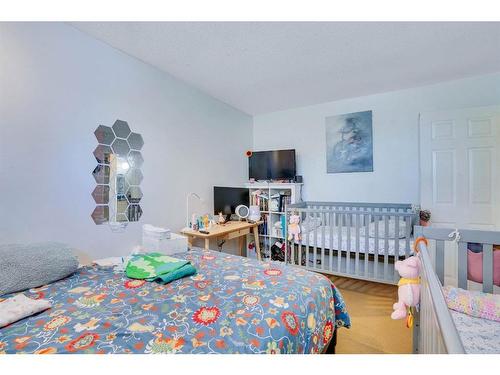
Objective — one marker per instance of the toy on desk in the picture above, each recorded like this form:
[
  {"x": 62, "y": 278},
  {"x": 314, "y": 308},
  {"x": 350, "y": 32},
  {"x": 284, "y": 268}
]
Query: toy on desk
[
  {"x": 194, "y": 222},
  {"x": 206, "y": 222},
  {"x": 221, "y": 219},
  {"x": 294, "y": 228}
]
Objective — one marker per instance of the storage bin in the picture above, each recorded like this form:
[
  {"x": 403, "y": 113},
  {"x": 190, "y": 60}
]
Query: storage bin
[{"x": 161, "y": 240}]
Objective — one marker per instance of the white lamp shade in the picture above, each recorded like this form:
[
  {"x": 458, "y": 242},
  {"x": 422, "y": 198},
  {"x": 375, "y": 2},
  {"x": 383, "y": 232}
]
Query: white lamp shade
[{"x": 254, "y": 213}]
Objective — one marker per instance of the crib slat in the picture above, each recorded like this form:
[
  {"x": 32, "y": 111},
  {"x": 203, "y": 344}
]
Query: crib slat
[
  {"x": 396, "y": 237},
  {"x": 375, "y": 258},
  {"x": 323, "y": 221},
  {"x": 307, "y": 239},
  {"x": 299, "y": 260},
  {"x": 315, "y": 240},
  {"x": 386, "y": 246},
  {"x": 487, "y": 268},
  {"x": 462, "y": 265},
  {"x": 356, "y": 265},
  {"x": 330, "y": 249},
  {"x": 367, "y": 243},
  {"x": 440, "y": 260},
  {"x": 407, "y": 242},
  {"x": 339, "y": 239},
  {"x": 348, "y": 250}
]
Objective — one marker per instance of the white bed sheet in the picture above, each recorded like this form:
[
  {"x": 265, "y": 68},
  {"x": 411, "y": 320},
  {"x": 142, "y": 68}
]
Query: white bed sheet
[
  {"x": 394, "y": 246},
  {"x": 479, "y": 336}
]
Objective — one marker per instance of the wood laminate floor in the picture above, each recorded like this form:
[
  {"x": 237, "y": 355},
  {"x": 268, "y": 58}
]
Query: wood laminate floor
[{"x": 373, "y": 331}]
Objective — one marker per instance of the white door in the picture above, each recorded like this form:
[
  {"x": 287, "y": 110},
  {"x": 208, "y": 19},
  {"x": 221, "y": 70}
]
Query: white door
[{"x": 459, "y": 177}]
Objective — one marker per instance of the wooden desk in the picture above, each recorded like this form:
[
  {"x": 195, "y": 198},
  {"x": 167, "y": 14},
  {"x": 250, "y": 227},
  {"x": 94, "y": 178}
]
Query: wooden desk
[{"x": 227, "y": 231}]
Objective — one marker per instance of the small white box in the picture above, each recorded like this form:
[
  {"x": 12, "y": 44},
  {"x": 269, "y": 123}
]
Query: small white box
[
  {"x": 177, "y": 243},
  {"x": 150, "y": 231}
]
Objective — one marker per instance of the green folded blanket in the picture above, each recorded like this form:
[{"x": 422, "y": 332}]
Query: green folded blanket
[{"x": 158, "y": 267}]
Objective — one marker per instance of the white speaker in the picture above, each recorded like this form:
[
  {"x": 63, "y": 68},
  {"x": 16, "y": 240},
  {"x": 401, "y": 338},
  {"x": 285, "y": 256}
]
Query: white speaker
[{"x": 242, "y": 211}]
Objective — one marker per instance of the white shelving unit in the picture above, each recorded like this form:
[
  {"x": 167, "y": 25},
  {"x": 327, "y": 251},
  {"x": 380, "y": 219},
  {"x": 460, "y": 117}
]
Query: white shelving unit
[{"x": 270, "y": 232}]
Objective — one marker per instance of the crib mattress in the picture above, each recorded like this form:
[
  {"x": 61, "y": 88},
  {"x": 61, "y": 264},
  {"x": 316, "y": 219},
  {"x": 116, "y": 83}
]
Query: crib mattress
[
  {"x": 479, "y": 336},
  {"x": 394, "y": 246}
]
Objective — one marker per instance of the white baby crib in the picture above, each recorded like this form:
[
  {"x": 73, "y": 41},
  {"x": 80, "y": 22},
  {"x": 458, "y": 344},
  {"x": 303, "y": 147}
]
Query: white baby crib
[
  {"x": 435, "y": 330},
  {"x": 352, "y": 239}
]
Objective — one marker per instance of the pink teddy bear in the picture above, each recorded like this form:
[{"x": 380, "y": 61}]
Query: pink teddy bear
[
  {"x": 409, "y": 286},
  {"x": 294, "y": 228}
]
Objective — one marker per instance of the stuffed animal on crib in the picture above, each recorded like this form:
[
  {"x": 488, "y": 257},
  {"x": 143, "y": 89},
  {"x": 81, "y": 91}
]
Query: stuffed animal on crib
[
  {"x": 409, "y": 288},
  {"x": 294, "y": 228}
]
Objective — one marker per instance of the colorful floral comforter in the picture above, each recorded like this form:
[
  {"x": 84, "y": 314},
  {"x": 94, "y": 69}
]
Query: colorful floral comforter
[{"x": 232, "y": 305}]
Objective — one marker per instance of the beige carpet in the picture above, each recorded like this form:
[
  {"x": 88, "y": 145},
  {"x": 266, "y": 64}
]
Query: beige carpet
[{"x": 373, "y": 330}]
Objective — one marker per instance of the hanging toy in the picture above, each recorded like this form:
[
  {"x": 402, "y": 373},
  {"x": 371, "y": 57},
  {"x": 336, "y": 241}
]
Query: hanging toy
[
  {"x": 409, "y": 318},
  {"x": 408, "y": 288}
]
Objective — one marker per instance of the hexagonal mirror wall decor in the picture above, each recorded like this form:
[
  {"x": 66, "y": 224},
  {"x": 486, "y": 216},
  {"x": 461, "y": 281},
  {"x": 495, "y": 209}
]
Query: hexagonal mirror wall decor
[
  {"x": 135, "y": 141},
  {"x": 104, "y": 135},
  {"x": 118, "y": 176},
  {"x": 102, "y": 154},
  {"x": 121, "y": 129}
]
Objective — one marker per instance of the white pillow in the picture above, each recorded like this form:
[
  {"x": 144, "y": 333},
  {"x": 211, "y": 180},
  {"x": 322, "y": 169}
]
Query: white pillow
[
  {"x": 311, "y": 223},
  {"x": 392, "y": 229}
]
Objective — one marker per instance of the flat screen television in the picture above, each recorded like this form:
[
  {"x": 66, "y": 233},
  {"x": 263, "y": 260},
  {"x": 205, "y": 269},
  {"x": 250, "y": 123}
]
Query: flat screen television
[
  {"x": 226, "y": 199},
  {"x": 272, "y": 165}
]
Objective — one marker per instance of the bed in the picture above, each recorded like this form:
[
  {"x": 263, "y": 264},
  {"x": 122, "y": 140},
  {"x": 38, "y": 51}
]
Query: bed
[
  {"x": 356, "y": 240},
  {"x": 439, "y": 326},
  {"x": 232, "y": 305}
]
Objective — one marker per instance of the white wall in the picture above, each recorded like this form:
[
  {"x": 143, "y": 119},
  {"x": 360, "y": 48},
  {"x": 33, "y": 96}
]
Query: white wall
[
  {"x": 395, "y": 132},
  {"x": 56, "y": 86}
]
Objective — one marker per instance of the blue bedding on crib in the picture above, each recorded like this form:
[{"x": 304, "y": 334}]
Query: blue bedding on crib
[{"x": 232, "y": 305}]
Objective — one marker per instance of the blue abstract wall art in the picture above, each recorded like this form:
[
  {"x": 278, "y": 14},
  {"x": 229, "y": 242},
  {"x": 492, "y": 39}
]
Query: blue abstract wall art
[{"x": 349, "y": 143}]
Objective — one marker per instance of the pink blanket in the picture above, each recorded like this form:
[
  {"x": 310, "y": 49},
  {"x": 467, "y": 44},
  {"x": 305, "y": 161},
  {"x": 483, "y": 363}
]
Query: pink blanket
[{"x": 478, "y": 304}]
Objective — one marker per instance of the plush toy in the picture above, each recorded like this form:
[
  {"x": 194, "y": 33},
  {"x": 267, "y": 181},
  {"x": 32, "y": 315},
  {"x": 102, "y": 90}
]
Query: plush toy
[
  {"x": 294, "y": 228},
  {"x": 409, "y": 289}
]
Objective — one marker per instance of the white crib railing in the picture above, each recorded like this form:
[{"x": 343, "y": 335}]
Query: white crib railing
[
  {"x": 342, "y": 244},
  {"x": 434, "y": 329}
]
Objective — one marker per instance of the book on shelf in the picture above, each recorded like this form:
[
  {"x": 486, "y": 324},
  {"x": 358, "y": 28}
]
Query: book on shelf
[
  {"x": 261, "y": 199},
  {"x": 285, "y": 198},
  {"x": 283, "y": 226},
  {"x": 274, "y": 203},
  {"x": 279, "y": 229},
  {"x": 264, "y": 226}
]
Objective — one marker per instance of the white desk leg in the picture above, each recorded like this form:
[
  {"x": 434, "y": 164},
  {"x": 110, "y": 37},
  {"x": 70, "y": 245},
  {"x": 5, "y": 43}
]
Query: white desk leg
[{"x": 207, "y": 243}]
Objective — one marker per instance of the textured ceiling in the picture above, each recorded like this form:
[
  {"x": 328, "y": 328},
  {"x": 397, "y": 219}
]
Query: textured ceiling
[{"x": 264, "y": 67}]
